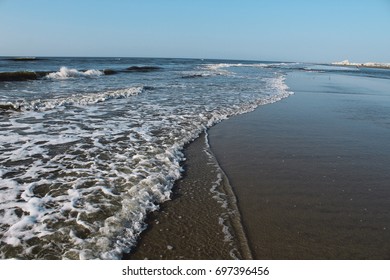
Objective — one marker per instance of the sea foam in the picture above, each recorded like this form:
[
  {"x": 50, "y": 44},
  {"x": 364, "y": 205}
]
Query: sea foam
[
  {"x": 80, "y": 173},
  {"x": 66, "y": 73},
  {"x": 75, "y": 100}
]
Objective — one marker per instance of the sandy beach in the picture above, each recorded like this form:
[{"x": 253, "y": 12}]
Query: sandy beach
[
  {"x": 201, "y": 221},
  {"x": 310, "y": 174}
]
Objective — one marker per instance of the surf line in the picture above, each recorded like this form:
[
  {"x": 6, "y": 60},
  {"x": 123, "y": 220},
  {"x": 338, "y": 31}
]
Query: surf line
[{"x": 231, "y": 219}]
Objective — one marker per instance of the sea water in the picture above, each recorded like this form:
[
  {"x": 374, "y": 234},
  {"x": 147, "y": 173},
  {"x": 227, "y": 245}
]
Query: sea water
[{"x": 90, "y": 146}]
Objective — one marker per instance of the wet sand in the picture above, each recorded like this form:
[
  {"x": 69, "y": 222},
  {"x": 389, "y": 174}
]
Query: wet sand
[
  {"x": 312, "y": 172},
  {"x": 201, "y": 221}
]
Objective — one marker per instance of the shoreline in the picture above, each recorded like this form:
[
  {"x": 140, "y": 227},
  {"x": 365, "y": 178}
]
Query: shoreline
[
  {"x": 201, "y": 221},
  {"x": 309, "y": 184},
  {"x": 311, "y": 172}
]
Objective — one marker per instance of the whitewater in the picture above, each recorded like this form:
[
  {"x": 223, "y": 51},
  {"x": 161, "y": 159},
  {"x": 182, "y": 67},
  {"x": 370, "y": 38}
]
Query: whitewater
[{"x": 90, "y": 146}]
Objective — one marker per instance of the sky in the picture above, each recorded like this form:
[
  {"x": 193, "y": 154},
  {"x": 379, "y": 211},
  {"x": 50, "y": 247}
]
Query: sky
[{"x": 273, "y": 30}]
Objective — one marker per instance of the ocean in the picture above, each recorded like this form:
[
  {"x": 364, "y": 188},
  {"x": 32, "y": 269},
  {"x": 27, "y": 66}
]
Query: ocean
[{"x": 90, "y": 146}]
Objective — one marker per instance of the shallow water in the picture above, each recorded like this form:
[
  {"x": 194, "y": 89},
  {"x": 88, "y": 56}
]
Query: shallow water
[
  {"x": 202, "y": 220},
  {"x": 86, "y": 156}
]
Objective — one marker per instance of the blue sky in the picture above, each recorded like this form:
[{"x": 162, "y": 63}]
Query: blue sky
[{"x": 307, "y": 31}]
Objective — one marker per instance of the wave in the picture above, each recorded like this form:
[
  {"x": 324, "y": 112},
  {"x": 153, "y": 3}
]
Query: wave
[
  {"x": 221, "y": 66},
  {"x": 21, "y": 76},
  {"x": 23, "y": 59},
  {"x": 142, "y": 68},
  {"x": 77, "y": 100},
  {"x": 109, "y": 72},
  {"x": 227, "y": 65},
  {"x": 65, "y": 73},
  {"x": 4, "y": 107},
  {"x": 196, "y": 75}
]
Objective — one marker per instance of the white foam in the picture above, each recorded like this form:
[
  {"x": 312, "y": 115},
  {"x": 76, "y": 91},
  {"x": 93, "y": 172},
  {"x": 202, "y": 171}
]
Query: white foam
[
  {"x": 227, "y": 65},
  {"x": 196, "y": 74},
  {"x": 229, "y": 219},
  {"x": 85, "y": 99},
  {"x": 66, "y": 73}
]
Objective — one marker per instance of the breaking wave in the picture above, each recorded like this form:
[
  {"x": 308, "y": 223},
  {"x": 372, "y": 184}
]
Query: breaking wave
[
  {"x": 76, "y": 100},
  {"x": 65, "y": 73},
  {"x": 195, "y": 75}
]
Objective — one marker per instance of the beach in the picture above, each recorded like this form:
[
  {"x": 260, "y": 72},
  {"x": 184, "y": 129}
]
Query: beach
[
  {"x": 310, "y": 174},
  {"x": 193, "y": 225},
  {"x": 148, "y": 158}
]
